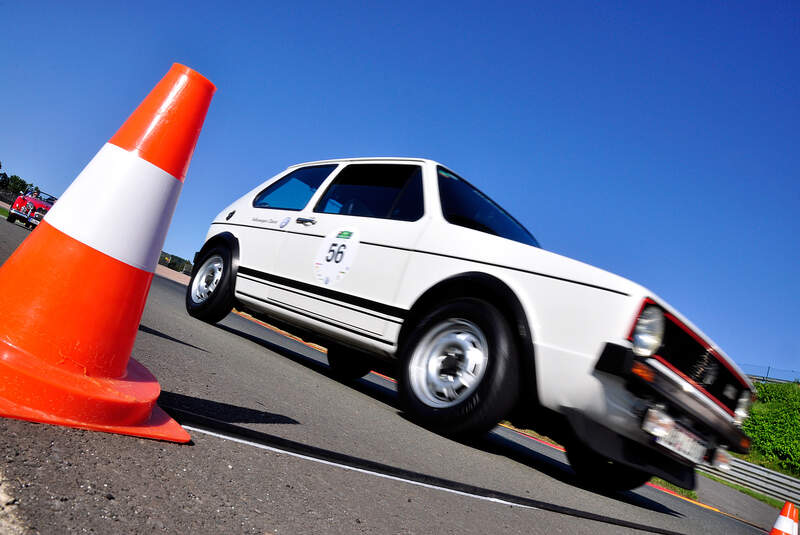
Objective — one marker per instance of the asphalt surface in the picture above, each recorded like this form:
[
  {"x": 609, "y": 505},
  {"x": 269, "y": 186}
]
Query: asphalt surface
[{"x": 277, "y": 393}]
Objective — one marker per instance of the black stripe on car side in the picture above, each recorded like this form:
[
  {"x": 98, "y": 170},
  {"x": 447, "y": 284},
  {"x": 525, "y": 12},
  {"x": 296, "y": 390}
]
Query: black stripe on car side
[
  {"x": 279, "y": 287},
  {"x": 317, "y": 317},
  {"x": 500, "y": 266},
  {"x": 327, "y": 292}
]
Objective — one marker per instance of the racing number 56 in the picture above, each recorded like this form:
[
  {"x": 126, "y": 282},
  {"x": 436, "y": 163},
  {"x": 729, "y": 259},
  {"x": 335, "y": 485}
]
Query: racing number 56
[{"x": 336, "y": 252}]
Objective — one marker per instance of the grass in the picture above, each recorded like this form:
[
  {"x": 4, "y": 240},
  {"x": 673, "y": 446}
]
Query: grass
[
  {"x": 692, "y": 495},
  {"x": 532, "y": 433},
  {"x": 3, "y": 212},
  {"x": 772, "y": 502}
]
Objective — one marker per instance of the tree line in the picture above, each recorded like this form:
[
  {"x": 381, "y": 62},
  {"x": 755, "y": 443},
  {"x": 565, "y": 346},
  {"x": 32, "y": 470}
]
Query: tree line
[
  {"x": 12, "y": 184},
  {"x": 175, "y": 262}
]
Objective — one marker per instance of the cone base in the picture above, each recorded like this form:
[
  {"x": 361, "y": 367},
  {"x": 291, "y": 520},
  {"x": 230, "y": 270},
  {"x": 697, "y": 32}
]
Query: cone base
[
  {"x": 160, "y": 426},
  {"x": 36, "y": 391}
]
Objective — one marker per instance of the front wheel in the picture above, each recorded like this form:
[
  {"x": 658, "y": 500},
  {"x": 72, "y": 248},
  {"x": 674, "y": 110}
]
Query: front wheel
[
  {"x": 209, "y": 296},
  {"x": 460, "y": 374},
  {"x": 598, "y": 472}
]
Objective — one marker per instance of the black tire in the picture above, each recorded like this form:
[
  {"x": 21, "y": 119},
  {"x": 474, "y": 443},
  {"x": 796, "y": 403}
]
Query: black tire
[
  {"x": 211, "y": 304},
  {"x": 11, "y": 217},
  {"x": 347, "y": 364},
  {"x": 601, "y": 473},
  {"x": 472, "y": 410}
]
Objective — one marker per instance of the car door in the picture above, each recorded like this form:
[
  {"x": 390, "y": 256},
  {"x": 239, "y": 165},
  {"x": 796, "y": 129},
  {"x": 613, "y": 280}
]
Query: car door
[
  {"x": 340, "y": 269},
  {"x": 261, "y": 222}
]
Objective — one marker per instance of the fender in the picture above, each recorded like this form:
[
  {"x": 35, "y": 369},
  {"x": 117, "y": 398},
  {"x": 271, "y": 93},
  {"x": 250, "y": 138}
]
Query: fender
[
  {"x": 228, "y": 240},
  {"x": 497, "y": 292}
]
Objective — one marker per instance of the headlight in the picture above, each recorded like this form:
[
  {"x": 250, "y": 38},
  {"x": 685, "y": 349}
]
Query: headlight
[
  {"x": 743, "y": 407},
  {"x": 649, "y": 331}
]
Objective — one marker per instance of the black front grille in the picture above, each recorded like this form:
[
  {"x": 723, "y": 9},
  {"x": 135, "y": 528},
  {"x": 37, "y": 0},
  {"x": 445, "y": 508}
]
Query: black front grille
[{"x": 701, "y": 365}]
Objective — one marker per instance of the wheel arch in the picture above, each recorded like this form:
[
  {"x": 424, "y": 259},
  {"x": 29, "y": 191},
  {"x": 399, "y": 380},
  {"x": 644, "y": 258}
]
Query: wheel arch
[
  {"x": 226, "y": 239},
  {"x": 492, "y": 289}
]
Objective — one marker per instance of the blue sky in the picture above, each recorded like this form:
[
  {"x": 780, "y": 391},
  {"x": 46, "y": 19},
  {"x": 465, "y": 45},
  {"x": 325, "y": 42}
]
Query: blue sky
[{"x": 656, "y": 140}]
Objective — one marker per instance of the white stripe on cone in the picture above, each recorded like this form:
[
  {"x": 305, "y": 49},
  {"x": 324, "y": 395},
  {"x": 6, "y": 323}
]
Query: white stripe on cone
[
  {"x": 784, "y": 524},
  {"x": 120, "y": 205}
]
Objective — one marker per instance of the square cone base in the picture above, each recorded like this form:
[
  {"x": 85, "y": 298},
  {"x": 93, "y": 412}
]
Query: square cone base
[{"x": 33, "y": 390}]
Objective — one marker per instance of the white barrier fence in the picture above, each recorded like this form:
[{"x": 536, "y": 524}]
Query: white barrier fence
[{"x": 763, "y": 480}]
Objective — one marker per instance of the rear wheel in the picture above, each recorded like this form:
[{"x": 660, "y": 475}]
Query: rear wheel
[
  {"x": 460, "y": 374},
  {"x": 209, "y": 296},
  {"x": 346, "y": 364},
  {"x": 11, "y": 217},
  {"x": 602, "y": 473}
]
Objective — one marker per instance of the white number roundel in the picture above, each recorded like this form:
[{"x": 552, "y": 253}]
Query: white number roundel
[{"x": 336, "y": 255}]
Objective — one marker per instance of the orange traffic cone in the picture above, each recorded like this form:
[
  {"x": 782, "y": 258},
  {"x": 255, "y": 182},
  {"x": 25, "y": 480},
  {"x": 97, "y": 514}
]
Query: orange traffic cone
[
  {"x": 77, "y": 285},
  {"x": 786, "y": 524}
]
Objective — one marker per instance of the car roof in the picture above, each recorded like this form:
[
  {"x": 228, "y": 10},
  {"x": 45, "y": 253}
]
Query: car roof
[{"x": 378, "y": 159}]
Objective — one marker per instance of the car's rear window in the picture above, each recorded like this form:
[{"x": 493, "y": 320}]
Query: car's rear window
[
  {"x": 465, "y": 206},
  {"x": 293, "y": 191},
  {"x": 385, "y": 191}
]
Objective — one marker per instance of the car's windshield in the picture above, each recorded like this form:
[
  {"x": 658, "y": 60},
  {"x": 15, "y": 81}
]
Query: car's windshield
[
  {"x": 466, "y": 206},
  {"x": 44, "y": 197}
]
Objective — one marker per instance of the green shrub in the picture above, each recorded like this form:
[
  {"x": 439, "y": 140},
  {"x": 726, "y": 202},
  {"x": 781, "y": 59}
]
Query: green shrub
[
  {"x": 774, "y": 424},
  {"x": 769, "y": 392}
]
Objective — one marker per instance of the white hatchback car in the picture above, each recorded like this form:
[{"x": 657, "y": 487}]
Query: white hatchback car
[{"x": 403, "y": 259}]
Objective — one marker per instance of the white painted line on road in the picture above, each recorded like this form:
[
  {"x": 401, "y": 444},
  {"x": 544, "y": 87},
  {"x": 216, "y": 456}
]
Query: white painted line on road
[{"x": 361, "y": 470}]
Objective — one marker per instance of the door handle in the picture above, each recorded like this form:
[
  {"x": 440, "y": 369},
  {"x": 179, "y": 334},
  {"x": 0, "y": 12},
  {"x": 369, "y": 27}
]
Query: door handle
[{"x": 306, "y": 220}]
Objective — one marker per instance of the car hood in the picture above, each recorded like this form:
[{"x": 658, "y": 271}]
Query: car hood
[
  {"x": 561, "y": 266},
  {"x": 37, "y": 203}
]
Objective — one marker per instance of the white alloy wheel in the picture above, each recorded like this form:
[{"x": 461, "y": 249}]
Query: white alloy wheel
[
  {"x": 448, "y": 363},
  {"x": 207, "y": 279}
]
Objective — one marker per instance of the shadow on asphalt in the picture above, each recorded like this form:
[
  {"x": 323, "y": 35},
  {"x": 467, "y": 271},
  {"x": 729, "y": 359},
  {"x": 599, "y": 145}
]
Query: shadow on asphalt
[
  {"x": 491, "y": 443},
  {"x": 377, "y": 391},
  {"x": 148, "y": 330},
  {"x": 221, "y": 411},
  {"x": 500, "y": 445}
]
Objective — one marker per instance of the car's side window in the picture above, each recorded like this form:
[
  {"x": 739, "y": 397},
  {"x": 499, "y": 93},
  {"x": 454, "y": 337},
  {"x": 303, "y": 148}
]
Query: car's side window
[
  {"x": 385, "y": 191},
  {"x": 293, "y": 191},
  {"x": 466, "y": 206}
]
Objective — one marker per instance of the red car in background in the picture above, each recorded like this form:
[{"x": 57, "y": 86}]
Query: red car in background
[{"x": 31, "y": 207}]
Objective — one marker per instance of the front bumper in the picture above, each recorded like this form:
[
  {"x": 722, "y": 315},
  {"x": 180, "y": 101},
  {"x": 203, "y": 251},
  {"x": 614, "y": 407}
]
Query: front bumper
[
  {"x": 612, "y": 425},
  {"x": 699, "y": 413},
  {"x": 26, "y": 216}
]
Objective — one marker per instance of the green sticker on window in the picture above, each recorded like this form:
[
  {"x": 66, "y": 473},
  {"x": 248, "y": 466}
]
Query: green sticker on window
[{"x": 344, "y": 235}]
